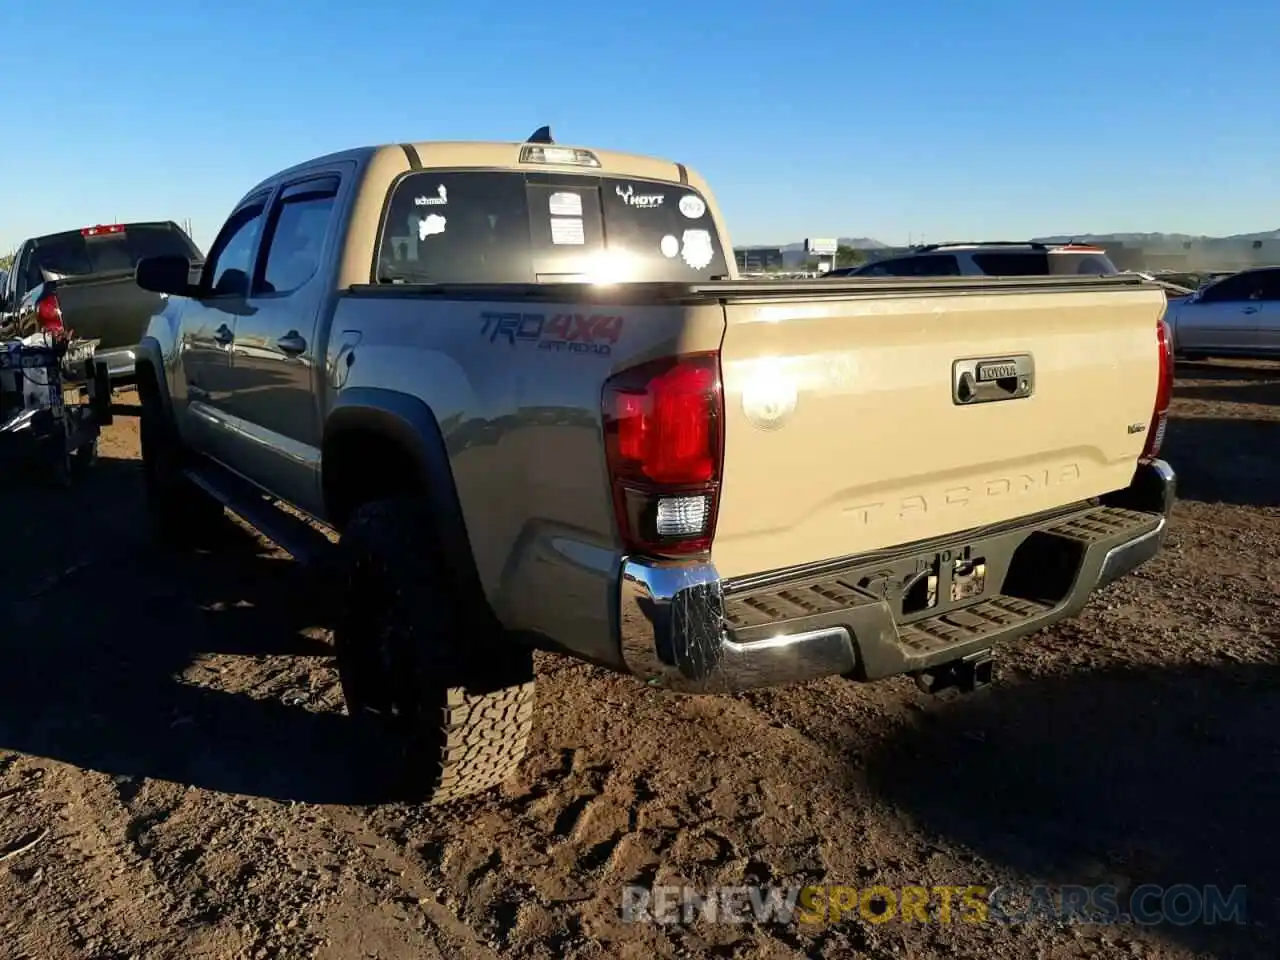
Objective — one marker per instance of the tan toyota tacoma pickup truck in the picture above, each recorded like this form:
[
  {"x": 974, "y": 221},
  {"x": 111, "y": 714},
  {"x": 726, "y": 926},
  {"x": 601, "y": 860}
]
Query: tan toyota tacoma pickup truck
[{"x": 522, "y": 384}]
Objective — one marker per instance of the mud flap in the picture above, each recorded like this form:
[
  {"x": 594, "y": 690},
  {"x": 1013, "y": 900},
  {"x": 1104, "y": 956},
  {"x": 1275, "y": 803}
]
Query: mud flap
[{"x": 99, "y": 386}]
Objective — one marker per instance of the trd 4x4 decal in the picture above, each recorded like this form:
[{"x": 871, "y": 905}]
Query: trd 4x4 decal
[{"x": 575, "y": 332}]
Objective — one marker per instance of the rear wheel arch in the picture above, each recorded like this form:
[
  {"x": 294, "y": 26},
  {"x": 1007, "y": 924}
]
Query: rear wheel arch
[{"x": 380, "y": 444}]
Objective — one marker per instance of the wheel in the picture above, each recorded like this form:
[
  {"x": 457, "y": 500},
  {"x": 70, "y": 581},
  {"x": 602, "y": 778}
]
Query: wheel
[
  {"x": 61, "y": 468},
  {"x": 181, "y": 514},
  {"x": 84, "y": 458},
  {"x": 455, "y": 691}
]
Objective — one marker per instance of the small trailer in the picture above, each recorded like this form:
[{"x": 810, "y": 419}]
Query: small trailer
[{"x": 55, "y": 397}]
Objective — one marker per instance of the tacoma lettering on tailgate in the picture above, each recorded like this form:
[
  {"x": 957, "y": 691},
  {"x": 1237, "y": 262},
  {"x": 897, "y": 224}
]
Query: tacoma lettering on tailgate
[
  {"x": 903, "y": 508},
  {"x": 575, "y": 332}
]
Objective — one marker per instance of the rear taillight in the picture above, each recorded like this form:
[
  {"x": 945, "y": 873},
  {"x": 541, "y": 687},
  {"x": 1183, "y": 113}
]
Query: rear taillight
[
  {"x": 102, "y": 230},
  {"x": 663, "y": 447},
  {"x": 1164, "y": 393},
  {"x": 49, "y": 312}
]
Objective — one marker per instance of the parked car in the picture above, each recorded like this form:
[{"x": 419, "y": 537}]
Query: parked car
[
  {"x": 83, "y": 280},
  {"x": 525, "y": 386},
  {"x": 1238, "y": 316},
  {"x": 988, "y": 259}
]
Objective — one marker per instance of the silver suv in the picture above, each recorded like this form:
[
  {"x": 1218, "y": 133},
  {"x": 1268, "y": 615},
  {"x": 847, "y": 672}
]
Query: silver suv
[{"x": 992, "y": 259}]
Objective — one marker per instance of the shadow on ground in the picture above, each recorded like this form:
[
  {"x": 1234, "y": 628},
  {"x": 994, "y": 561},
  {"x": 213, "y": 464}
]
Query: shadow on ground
[
  {"x": 1225, "y": 459},
  {"x": 94, "y": 658},
  {"x": 1127, "y": 776},
  {"x": 1259, "y": 390},
  {"x": 1235, "y": 370}
]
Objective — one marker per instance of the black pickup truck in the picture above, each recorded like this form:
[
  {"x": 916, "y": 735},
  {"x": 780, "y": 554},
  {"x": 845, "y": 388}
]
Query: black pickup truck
[{"x": 82, "y": 280}]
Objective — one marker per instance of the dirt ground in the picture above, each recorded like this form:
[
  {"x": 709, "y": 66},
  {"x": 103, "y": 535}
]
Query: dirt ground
[{"x": 172, "y": 739}]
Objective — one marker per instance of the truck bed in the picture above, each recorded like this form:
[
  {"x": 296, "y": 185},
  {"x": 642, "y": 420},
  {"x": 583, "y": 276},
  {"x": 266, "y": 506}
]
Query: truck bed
[{"x": 108, "y": 307}]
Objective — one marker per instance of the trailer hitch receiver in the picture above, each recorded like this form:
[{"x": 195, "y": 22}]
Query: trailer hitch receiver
[{"x": 965, "y": 675}]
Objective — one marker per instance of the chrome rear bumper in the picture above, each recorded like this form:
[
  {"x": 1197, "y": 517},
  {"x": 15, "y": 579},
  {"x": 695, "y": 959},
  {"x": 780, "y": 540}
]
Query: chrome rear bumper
[{"x": 675, "y": 631}]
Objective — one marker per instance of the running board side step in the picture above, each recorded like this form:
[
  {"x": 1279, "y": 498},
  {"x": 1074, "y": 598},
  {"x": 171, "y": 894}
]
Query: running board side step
[{"x": 306, "y": 542}]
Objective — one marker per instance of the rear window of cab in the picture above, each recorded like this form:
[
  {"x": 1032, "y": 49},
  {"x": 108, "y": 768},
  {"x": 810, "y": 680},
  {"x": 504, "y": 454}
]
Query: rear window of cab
[{"x": 471, "y": 226}]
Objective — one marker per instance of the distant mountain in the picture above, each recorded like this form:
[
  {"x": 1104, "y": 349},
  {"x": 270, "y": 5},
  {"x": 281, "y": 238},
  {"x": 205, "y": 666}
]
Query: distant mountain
[
  {"x": 1130, "y": 251},
  {"x": 1158, "y": 239}
]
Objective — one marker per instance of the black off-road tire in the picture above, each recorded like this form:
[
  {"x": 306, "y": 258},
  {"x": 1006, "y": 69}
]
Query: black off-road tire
[
  {"x": 181, "y": 514},
  {"x": 84, "y": 458},
  {"x": 455, "y": 691},
  {"x": 60, "y": 467}
]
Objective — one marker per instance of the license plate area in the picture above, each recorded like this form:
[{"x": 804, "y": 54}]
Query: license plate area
[{"x": 932, "y": 583}]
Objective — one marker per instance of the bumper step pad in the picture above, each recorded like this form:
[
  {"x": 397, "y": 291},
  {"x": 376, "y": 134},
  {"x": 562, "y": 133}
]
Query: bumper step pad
[
  {"x": 1019, "y": 600},
  {"x": 986, "y": 617}
]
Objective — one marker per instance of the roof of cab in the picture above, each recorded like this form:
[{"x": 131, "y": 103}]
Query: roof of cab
[{"x": 433, "y": 154}]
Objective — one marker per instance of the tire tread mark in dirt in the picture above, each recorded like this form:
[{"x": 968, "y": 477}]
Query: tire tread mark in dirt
[
  {"x": 570, "y": 817},
  {"x": 460, "y": 940}
]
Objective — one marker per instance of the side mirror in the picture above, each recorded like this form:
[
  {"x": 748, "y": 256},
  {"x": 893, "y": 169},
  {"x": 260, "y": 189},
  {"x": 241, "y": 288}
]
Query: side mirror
[{"x": 168, "y": 274}]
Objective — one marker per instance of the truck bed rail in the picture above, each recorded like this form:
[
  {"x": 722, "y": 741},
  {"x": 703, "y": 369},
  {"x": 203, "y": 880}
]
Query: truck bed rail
[{"x": 738, "y": 290}]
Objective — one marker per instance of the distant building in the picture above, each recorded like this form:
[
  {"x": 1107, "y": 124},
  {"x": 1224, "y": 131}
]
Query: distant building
[{"x": 758, "y": 259}]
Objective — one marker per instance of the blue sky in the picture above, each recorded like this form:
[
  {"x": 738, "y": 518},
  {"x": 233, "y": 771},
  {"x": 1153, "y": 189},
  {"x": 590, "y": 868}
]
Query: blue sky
[{"x": 935, "y": 119}]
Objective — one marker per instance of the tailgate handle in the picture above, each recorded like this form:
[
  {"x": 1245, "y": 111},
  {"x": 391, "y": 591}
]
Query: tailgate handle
[{"x": 989, "y": 379}]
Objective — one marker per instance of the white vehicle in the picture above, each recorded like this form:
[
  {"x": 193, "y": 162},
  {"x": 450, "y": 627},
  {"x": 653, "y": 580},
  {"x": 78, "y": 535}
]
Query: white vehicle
[
  {"x": 991, "y": 259},
  {"x": 1237, "y": 316}
]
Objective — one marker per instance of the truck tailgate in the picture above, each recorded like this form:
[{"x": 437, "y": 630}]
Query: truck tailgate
[
  {"x": 844, "y": 434},
  {"x": 109, "y": 307}
]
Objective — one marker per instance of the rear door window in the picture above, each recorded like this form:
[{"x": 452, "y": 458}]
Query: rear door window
[
  {"x": 935, "y": 265},
  {"x": 931, "y": 265},
  {"x": 514, "y": 227},
  {"x": 296, "y": 232},
  {"x": 1042, "y": 263},
  {"x": 883, "y": 268},
  {"x": 1242, "y": 286},
  {"x": 1029, "y": 264},
  {"x": 1270, "y": 285}
]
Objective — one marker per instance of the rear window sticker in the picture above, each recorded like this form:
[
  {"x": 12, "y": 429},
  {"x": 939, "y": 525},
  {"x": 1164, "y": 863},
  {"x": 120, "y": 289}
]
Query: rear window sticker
[
  {"x": 439, "y": 200},
  {"x": 697, "y": 251},
  {"x": 430, "y": 225},
  {"x": 692, "y": 206},
  {"x": 565, "y": 205},
  {"x": 644, "y": 201},
  {"x": 670, "y": 246},
  {"x": 567, "y": 230}
]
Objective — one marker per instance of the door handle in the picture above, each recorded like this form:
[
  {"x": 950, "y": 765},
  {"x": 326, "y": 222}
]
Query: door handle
[
  {"x": 1250, "y": 309},
  {"x": 292, "y": 343},
  {"x": 223, "y": 335}
]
